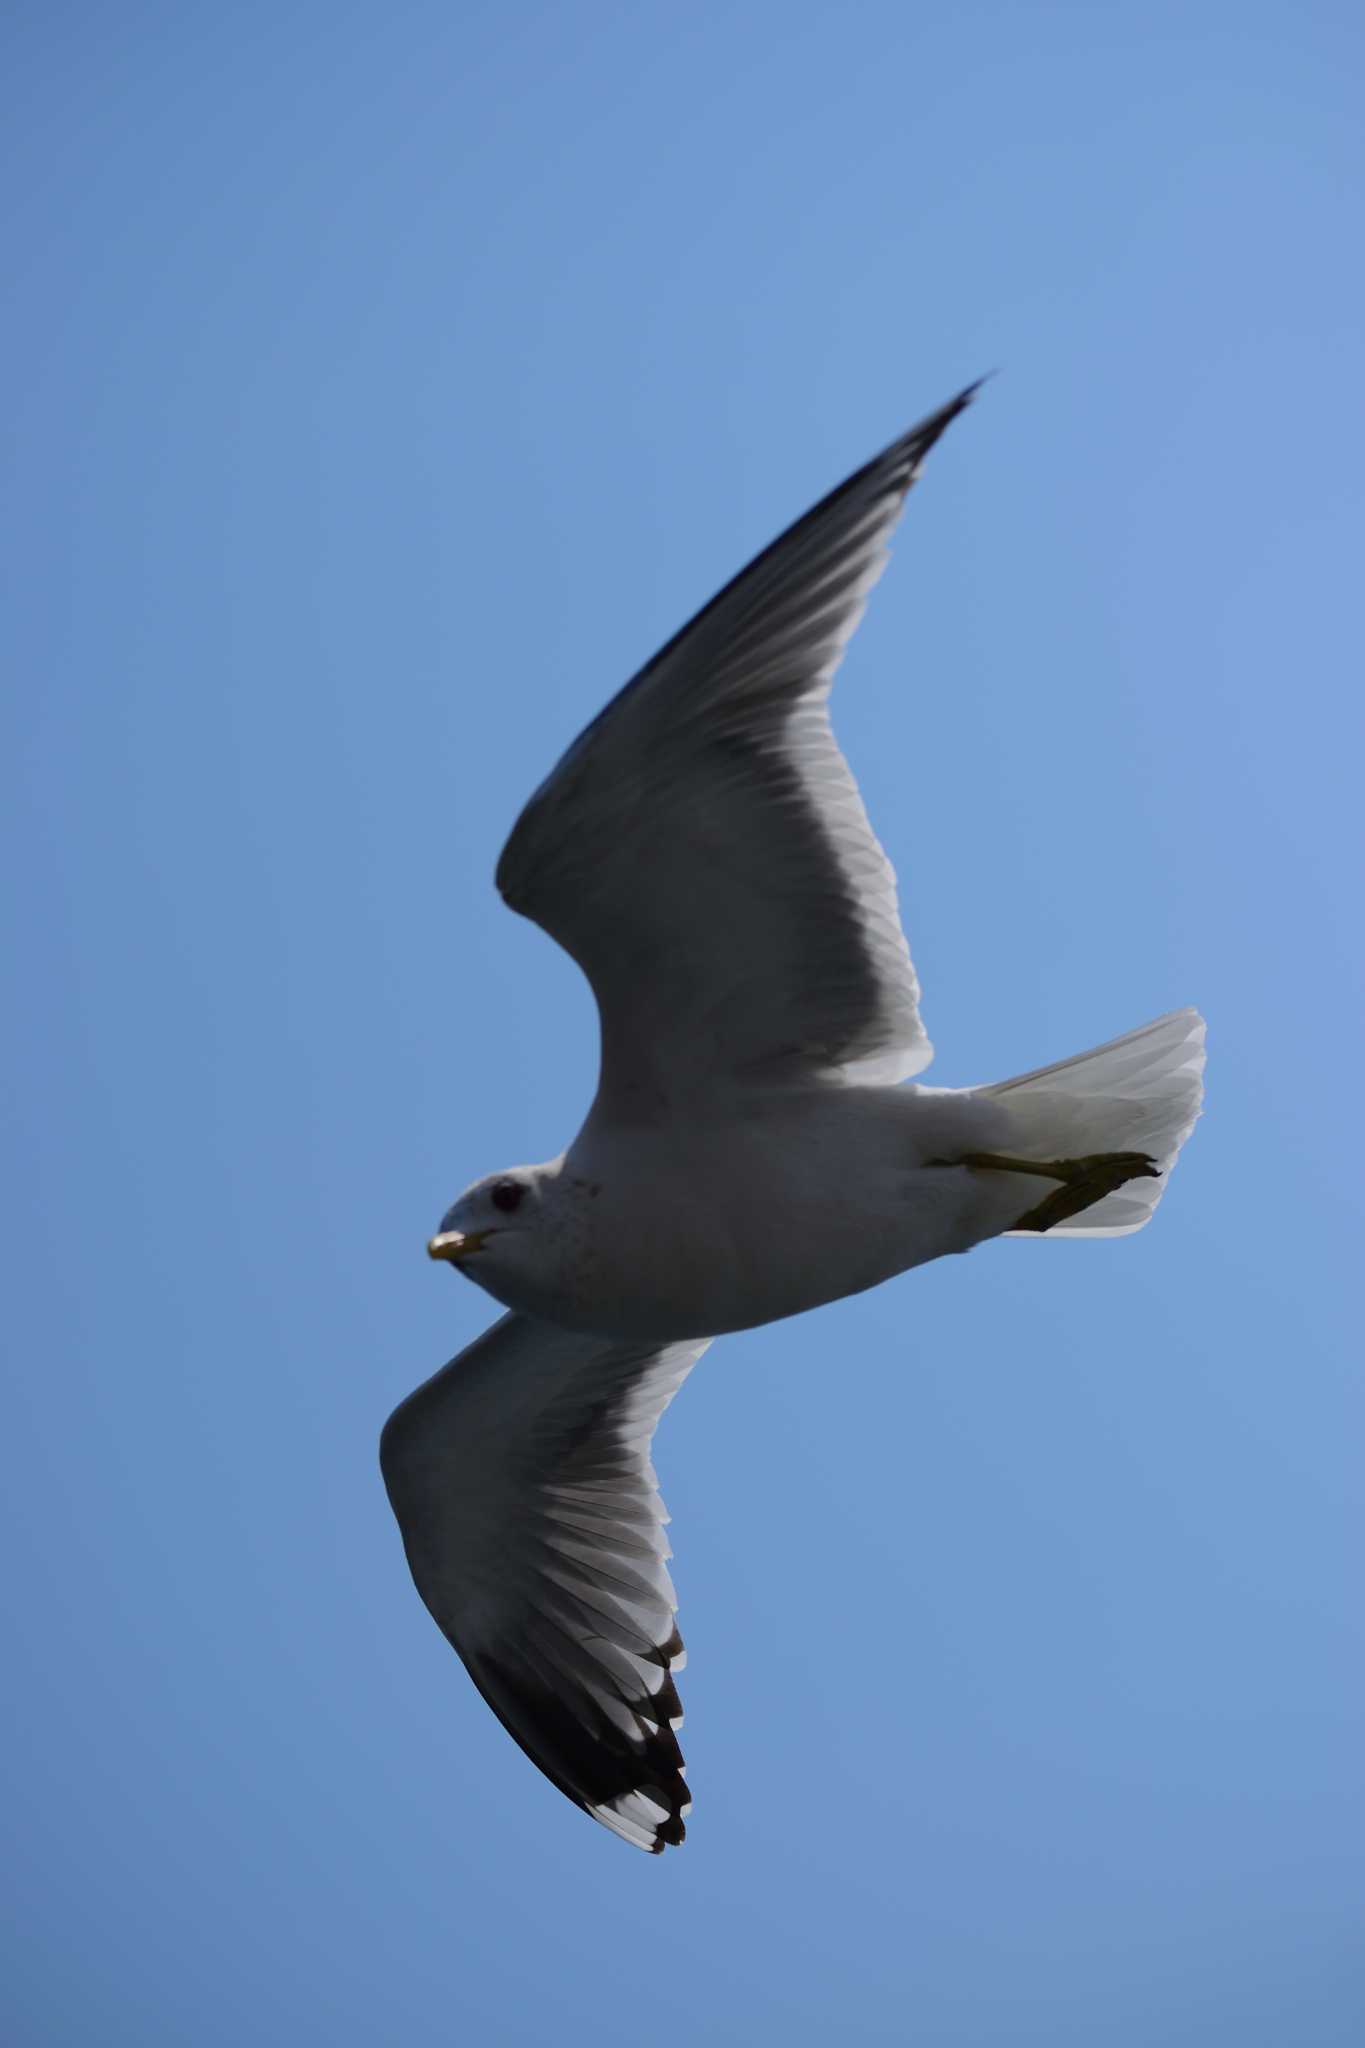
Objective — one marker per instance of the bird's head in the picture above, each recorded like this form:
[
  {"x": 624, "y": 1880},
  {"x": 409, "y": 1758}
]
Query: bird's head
[{"x": 496, "y": 1233}]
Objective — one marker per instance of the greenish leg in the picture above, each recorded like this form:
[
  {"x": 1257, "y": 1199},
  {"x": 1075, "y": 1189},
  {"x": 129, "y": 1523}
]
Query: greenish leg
[{"x": 1084, "y": 1181}]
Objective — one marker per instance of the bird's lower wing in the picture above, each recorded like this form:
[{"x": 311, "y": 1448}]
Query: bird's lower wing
[{"x": 521, "y": 1480}]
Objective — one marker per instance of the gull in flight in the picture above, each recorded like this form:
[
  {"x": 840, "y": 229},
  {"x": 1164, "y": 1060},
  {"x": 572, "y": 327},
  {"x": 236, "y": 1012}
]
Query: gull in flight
[{"x": 756, "y": 1147}]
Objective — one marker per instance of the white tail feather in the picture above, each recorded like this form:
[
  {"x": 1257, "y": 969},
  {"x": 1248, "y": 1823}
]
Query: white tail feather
[{"x": 1140, "y": 1093}]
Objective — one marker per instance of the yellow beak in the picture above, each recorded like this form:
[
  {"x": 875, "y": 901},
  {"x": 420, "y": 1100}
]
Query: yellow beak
[{"x": 455, "y": 1246}]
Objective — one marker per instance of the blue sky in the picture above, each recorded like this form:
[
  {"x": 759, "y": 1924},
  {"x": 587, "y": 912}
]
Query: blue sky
[{"x": 385, "y": 383}]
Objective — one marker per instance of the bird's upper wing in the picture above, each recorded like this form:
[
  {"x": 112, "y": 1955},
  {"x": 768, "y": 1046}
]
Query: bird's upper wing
[
  {"x": 702, "y": 850},
  {"x": 531, "y": 1518}
]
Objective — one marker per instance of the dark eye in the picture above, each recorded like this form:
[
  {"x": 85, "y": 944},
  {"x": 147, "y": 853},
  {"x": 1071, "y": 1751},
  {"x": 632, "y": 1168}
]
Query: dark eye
[{"x": 506, "y": 1195}]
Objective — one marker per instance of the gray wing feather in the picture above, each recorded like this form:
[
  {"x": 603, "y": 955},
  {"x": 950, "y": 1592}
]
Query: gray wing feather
[
  {"x": 530, "y": 1514},
  {"x": 702, "y": 851}
]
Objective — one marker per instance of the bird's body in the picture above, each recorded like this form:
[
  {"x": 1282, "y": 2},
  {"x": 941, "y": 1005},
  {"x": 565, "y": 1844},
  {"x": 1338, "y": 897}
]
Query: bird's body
[
  {"x": 703, "y": 853},
  {"x": 757, "y": 1180}
]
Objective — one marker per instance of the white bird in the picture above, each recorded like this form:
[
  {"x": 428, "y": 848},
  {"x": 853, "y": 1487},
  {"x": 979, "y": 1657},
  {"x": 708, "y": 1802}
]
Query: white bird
[{"x": 702, "y": 852}]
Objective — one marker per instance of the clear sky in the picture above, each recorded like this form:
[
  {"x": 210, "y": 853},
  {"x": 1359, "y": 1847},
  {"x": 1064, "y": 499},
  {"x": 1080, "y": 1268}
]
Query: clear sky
[{"x": 384, "y": 383}]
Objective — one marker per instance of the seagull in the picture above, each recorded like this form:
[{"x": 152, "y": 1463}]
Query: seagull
[{"x": 757, "y": 1146}]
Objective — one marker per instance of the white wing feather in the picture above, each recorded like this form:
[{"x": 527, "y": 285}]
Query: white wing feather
[
  {"x": 702, "y": 851},
  {"x": 521, "y": 1481}
]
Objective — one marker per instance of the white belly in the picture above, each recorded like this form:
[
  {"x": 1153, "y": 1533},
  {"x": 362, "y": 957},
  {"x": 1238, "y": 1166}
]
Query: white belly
[{"x": 800, "y": 1200}]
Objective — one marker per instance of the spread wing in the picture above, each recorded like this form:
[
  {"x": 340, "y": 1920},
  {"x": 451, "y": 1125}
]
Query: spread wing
[
  {"x": 521, "y": 1481},
  {"x": 702, "y": 850}
]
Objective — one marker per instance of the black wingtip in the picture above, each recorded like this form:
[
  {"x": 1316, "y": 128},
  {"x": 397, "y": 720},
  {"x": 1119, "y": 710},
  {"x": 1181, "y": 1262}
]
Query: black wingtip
[
  {"x": 918, "y": 440},
  {"x": 969, "y": 391}
]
